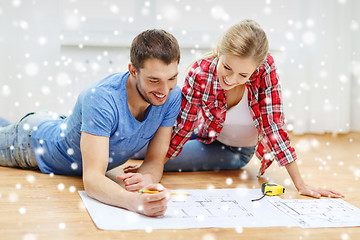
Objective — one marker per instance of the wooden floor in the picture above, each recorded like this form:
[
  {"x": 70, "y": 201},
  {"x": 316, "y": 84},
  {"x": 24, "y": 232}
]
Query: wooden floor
[{"x": 36, "y": 206}]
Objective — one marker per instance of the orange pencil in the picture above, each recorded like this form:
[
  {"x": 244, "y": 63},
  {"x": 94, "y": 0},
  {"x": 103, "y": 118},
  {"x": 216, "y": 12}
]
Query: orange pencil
[{"x": 142, "y": 191}]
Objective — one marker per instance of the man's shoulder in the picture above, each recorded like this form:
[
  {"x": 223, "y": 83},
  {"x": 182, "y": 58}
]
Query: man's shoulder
[
  {"x": 176, "y": 91},
  {"x": 105, "y": 86},
  {"x": 112, "y": 81},
  {"x": 174, "y": 95}
]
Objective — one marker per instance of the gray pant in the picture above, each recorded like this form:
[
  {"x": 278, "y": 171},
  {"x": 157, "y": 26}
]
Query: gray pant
[{"x": 15, "y": 141}]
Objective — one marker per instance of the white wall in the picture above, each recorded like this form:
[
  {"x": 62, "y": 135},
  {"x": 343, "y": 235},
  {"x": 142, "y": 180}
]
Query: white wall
[
  {"x": 355, "y": 67},
  {"x": 50, "y": 50},
  {"x": 29, "y": 48}
]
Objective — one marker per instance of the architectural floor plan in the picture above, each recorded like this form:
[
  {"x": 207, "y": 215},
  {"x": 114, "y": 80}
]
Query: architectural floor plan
[
  {"x": 228, "y": 208},
  {"x": 314, "y": 213}
]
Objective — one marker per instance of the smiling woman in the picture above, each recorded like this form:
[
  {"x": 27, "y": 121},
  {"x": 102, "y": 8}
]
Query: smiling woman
[
  {"x": 225, "y": 129},
  {"x": 233, "y": 70}
]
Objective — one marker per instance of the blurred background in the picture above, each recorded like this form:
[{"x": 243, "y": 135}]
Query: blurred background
[{"x": 52, "y": 49}]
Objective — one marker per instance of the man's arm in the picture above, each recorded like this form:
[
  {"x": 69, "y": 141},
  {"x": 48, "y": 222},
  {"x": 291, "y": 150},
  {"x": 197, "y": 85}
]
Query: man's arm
[
  {"x": 151, "y": 169},
  {"x": 95, "y": 155},
  {"x": 156, "y": 153}
]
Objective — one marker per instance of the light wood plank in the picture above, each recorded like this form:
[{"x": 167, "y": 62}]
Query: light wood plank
[{"x": 55, "y": 213}]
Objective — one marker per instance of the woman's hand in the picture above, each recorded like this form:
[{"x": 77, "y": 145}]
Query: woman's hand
[
  {"x": 151, "y": 204},
  {"x": 305, "y": 189},
  {"x": 317, "y": 192},
  {"x": 131, "y": 169}
]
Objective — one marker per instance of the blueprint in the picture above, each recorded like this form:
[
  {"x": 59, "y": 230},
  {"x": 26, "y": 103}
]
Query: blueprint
[
  {"x": 228, "y": 208},
  {"x": 220, "y": 208},
  {"x": 317, "y": 213}
]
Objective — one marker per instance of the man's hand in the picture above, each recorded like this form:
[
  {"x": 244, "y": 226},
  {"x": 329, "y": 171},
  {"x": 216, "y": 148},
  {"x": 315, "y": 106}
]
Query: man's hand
[
  {"x": 152, "y": 204},
  {"x": 134, "y": 181}
]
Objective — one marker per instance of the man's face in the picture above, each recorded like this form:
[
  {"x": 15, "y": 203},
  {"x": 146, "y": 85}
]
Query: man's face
[{"x": 155, "y": 80}]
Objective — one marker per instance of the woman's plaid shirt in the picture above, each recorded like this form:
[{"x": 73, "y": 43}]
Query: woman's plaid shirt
[{"x": 203, "y": 110}]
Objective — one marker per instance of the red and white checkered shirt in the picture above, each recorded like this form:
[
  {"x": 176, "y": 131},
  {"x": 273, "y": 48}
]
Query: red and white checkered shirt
[{"x": 203, "y": 110}]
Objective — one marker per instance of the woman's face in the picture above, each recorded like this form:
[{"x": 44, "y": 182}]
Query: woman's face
[{"x": 233, "y": 70}]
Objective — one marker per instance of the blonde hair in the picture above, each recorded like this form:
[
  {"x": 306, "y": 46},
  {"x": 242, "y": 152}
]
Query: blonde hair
[{"x": 245, "y": 39}]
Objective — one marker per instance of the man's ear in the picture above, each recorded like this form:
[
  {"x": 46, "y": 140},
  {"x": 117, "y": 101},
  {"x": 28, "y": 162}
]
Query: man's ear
[{"x": 132, "y": 70}]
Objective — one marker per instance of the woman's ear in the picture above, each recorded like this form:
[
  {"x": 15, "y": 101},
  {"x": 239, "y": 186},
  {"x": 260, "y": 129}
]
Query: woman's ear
[{"x": 132, "y": 70}]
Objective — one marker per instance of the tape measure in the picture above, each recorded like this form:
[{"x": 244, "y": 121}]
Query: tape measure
[{"x": 270, "y": 189}]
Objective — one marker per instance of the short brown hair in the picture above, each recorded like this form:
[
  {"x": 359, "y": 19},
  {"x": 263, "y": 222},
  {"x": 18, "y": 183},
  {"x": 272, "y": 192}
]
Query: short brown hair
[{"x": 154, "y": 43}]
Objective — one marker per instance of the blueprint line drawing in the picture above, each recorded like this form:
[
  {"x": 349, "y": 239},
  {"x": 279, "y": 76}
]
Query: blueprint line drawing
[
  {"x": 204, "y": 208},
  {"x": 209, "y": 206},
  {"x": 228, "y": 208},
  {"x": 316, "y": 213}
]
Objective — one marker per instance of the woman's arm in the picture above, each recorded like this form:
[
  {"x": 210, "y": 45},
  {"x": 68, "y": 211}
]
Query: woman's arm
[
  {"x": 272, "y": 116},
  {"x": 188, "y": 115},
  {"x": 305, "y": 189},
  {"x": 273, "y": 120}
]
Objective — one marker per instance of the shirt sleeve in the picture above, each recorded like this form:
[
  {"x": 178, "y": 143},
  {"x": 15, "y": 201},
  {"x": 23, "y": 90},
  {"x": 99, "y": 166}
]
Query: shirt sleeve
[
  {"x": 173, "y": 108},
  {"x": 188, "y": 115},
  {"x": 272, "y": 114},
  {"x": 98, "y": 112}
]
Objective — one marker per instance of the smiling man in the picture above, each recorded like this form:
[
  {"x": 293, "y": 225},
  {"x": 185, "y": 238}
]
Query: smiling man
[{"x": 112, "y": 119}]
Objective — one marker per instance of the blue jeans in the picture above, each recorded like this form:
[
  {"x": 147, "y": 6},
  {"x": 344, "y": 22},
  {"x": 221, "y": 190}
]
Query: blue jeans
[
  {"x": 197, "y": 156},
  {"x": 15, "y": 141}
]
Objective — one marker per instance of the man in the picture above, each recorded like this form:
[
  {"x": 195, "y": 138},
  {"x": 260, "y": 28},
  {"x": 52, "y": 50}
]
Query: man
[{"x": 112, "y": 120}]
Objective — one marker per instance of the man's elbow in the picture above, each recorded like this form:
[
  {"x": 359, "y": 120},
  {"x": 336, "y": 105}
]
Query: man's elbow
[{"x": 89, "y": 185}]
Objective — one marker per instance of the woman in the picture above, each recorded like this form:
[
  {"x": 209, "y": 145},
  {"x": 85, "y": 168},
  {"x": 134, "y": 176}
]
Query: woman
[{"x": 231, "y": 107}]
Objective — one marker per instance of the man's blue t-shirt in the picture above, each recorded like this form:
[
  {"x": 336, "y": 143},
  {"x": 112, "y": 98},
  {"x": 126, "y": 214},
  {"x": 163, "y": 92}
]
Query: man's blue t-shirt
[{"x": 102, "y": 109}]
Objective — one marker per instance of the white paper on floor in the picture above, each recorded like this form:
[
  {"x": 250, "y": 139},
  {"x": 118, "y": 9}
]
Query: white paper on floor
[{"x": 226, "y": 208}]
